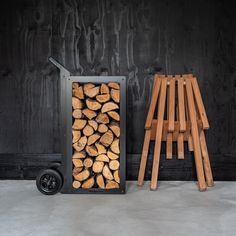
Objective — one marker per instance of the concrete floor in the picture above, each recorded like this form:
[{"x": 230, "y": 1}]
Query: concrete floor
[{"x": 177, "y": 208}]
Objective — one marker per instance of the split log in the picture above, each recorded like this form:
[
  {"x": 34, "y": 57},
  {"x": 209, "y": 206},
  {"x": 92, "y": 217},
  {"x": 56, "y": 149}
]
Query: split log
[
  {"x": 82, "y": 175},
  {"x": 90, "y": 114},
  {"x": 100, "y": 148},
  {"x": 100, "y": 181},
  {"x": 78, "y": 162},
  {"x": 88, "y": 86},
  {"x": 78, "y": 92},
  {"x": 77, "y": 114},
  {"x": 115, "y": 128},
  {"x": 76, "y": 134},
  {"x": 75, "y": 85},
  {"x": 112, "y": 155},
  {"x": 109, "y": 106},
  {"x": 103, "y": 97},
  {"x": 102, "y": 128},
  {"x": 79, "y": 155},
  {"x": 115, "y": 147},
  {"x": 115, "y": 95},
  {"x": 93, "y": 138},
  {"x": 79, "y": 146},
  {"x": 79, "y": 124},
  {"x": 93, "y": 104},
  {"x": 76, "y": 184},
  {"x": 107, "y": 173},
  {"x": 114, "y": 85},
  {"x": 88, "y": 183},
  {"x": 92, "y": 92},
  {"x": 77, "y": 103},
  {"x": 107, "y": 138},
  {"x": 77, "y": 170},
  {"x": 116, "y": 175},
  {"x": 94, "y": 124},
  {"x": 114, "y": 165},
  {"x": 102, "y": 118},
  {"x": 102, "y": 157},
  {"x": 92, "y": 151},
  {"x": 112, "y": 185},
  {"x": 114, "y": 115},
  {"x": 88, "y": 130},
  {"x": 88, "y": 162},
  {"x": 104, "y": 89},
  {"x": 98, "y": 166}
]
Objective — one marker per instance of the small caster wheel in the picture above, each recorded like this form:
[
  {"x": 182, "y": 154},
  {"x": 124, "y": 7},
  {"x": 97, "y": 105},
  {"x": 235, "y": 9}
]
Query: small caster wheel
[{"x": 49, "y": 182}]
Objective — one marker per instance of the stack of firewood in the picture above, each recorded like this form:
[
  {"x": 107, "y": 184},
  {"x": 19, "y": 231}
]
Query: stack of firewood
[{"x": 95, "y": 135}]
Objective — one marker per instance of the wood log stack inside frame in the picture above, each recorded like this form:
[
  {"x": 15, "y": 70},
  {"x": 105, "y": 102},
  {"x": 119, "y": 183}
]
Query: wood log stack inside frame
[{"x": 96, "y": 135}]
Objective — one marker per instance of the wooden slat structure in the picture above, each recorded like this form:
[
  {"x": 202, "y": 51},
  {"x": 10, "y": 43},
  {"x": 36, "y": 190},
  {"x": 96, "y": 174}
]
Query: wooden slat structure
[{"x": 179, "y": 100}]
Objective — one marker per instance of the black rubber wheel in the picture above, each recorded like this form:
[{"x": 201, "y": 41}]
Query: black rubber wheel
[{"x": 49, "y": 182}]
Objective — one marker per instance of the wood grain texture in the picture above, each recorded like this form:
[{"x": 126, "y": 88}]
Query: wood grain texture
[{"x": 131, "y": 38}]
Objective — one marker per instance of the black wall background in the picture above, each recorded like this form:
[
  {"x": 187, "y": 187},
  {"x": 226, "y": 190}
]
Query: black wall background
[{"x": 131, "y": 38}]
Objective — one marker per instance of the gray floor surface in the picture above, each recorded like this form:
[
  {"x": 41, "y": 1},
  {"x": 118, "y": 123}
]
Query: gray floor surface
[{"x": 176, "y": 208}]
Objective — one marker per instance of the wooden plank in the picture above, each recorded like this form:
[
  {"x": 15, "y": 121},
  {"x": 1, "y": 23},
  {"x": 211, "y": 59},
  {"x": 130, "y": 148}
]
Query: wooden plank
[
  {"x": 160, "y": 116},
  {"x": 206, "y": 161},
  {"x": 181, "y": 105},
  {"x": 155, "y": 92},
  {"x": 199, "y": 102},
  {"x": 171, "y": 106},
  {"x": 169, "y": 145},
  {"x": 144, "y": 156},
  {"x": 180, "y": 145},
  {"x": 190, "y": 143},
  {"x": 195, "y": 136}
]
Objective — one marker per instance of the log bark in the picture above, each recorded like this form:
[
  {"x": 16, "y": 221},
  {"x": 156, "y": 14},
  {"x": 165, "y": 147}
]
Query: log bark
[
  {"x": 103, "y": 98},
  {"x": 107, "y": 138},
  {"x": 88, "y": 162},
  {"x": 98, "y": 166},
  {"x": 76, "y": 134},
  {"x": 114, "y": 165},
  {"x": 77, "y": 103},
  {"x": 90, "y": 114},
  {"x": 94, "y": 124},
  {"x": 93, "y": 138},
  {"x": 112, "y": 185},
  {"x": 116, "y": 175},
  {"x": 88, "y": 183},
  {"x": 107, "y": 173},
  {"x": 102, "y": 128},
  {"x": 100, "y": 181},
  {"x": 82, "y": 175},
  {"x": 78, "y": 163},
  {"x": 102, "y": 118},
  {"x": 112, "y": 155},
  {"x": 115, "y": 147},
  {"x": 92, "y": 151},
  {"x": 102, "y": 157},
  {"x": 115, "y": 95},
  {"x": 76, "y": 184},
  {"x": 92, "y": 92},
  {"x": 88, "y": 130},
  {"x": 114, "y": 115},
  {"x": 79, "y": 146},
  {"x": 104, "y": 89},
  {"x": 100, "y": 148},
  {"x": 109, "y": 106},
  {"x": 93, "y": 104},
  {"x": 77, "y": 114},
  {"x": 79, "y": 155},
  {"x": 115, "y": 128},
  {"x": 114, "y": 85},
  {"x": 79, "y": 124}
]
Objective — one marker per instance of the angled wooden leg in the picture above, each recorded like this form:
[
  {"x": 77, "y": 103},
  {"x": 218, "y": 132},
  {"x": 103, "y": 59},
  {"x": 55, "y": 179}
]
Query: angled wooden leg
[
  {"x": 169, "y": 146},
  {"x": 160, "y": 117},
  {"x": 195, "y": 136},
  {"x": 144, "y": 157},
  {"x": 206, "y": 161}
]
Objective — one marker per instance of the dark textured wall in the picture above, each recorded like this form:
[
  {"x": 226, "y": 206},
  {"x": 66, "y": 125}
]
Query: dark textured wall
[{"x": 131, "y": 38}]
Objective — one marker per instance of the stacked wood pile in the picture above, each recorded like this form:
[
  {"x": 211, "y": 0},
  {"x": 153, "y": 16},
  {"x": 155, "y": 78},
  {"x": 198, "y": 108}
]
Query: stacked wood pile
[{"x": 96, "y": 135}]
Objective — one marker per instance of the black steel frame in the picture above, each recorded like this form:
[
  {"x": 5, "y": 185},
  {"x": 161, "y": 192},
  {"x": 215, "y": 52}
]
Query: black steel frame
[{"x": 66, "y": 81}]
